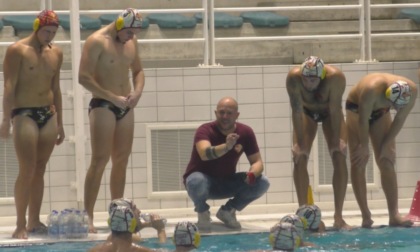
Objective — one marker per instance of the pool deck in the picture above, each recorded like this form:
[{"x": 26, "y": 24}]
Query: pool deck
[{"x": 251, "y": 222}]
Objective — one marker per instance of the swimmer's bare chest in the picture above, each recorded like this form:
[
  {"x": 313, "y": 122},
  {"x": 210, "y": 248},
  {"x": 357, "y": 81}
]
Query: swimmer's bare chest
[{"x": 317, "y": 101}]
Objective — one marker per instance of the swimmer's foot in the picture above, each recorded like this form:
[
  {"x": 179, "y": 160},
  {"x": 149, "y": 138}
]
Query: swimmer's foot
[
  {"x": 367, "y": 223},
  {"x": 20, "y": 233},
  {"x": 39, "y": 229},
  {"x": 399, "y": 221},
  {"x": 341, "y": 225},
  {"x": 92, "y": 229}
]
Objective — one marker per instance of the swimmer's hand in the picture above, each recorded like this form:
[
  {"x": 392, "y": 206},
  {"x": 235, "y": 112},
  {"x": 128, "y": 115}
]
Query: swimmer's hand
[
  {"x": 157, "y": 222},
  {"x": 360, "y": 156},
  {"x": 60, "y": 136},
  {"x": 132, "y": 99},
  {"x": 388, "y": 153},
  {"x": 120, "y": 101}
]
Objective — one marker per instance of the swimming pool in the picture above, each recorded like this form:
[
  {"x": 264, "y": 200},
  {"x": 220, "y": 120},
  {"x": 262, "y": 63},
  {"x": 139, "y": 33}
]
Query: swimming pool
[{"x": 370, "y": 240}]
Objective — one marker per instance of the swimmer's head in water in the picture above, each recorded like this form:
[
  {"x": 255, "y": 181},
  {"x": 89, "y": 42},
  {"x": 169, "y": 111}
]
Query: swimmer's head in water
[
  {"x": 186, "y": 234},
  {"x": 120, "y": 218}
]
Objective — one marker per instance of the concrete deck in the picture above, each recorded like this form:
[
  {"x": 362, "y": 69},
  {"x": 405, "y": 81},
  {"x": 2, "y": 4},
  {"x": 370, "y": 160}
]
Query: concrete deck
[{"x": 251, "y": 221}]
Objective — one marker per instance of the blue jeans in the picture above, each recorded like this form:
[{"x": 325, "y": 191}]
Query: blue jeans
[{"x": 201, "y": 187}]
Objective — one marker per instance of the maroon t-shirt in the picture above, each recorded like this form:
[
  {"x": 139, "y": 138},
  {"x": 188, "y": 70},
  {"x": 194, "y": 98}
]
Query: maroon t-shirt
[{"x": 225, "y": 165}]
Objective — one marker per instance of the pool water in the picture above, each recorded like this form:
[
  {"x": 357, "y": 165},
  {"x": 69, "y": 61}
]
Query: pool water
[{"x": 370, "y": 240}]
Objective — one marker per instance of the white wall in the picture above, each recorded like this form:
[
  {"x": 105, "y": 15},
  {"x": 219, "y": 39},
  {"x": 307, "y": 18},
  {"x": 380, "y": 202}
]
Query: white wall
[{"x": 190, "y": 94}]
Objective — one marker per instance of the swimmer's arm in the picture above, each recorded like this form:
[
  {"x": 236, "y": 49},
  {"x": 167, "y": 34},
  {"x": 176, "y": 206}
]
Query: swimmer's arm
[
  {"x": 137, "y": 71},
  {"x": 337, "y": 87},
  {"x": 138, "y": 78},
  {"x": 11, "y": 69},
  {"x": 57, "y": 91},
  {"x": 88, "y": 62},
  {"x": 296, "y": 105},
  {"x": 161, "y": 235},
  {"x": 400, "y": 118},
  {"x": 58, "y": 98}
]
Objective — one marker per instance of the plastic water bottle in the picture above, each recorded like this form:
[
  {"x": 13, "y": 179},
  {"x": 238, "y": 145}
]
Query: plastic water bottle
[
  {"x": 77, "y": 223},
  {"x": 147, "y": 218},
  {"x": 63, "y": 224},
  {"x": 53, "y": 224},
  {"x": 71, "y": 224},
  {"x": 84, "y": 227}
]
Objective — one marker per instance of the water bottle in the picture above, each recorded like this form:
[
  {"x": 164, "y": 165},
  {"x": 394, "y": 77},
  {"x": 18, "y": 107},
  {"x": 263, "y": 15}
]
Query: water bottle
[
  {"x": 75, "y": 231},
  {"x": 147, "y": 218},
  {"x": 84, "y": 224},
  {"x": 63, "y": 224},
  {"x": 71, "y": 224},
  {"x": 53, "y": 224}
]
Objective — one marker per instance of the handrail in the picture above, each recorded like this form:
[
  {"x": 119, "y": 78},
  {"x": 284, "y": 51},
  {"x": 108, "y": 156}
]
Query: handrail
[
  {"x": 393, "y": 5},
  {"x": 297, "y": 37},
  {"x": 361, "y": 33},
  {"x": 308, "y": 7}
]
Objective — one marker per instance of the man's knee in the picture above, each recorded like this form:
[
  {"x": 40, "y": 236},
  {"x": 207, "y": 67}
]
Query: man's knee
[
  {"x": 263, "y": 184},
  {"x": 197, "y": 184}
]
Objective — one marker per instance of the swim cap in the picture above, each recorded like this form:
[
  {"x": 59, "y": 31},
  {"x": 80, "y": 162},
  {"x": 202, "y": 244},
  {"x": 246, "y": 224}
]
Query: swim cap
[
  {"x": 45, "y": 18},
  {"x": 122, "y": 219},
  {"x": 129, "y": 18},
  {"x": 120, "y": 202},
  {"x": 312, "y": 214},
  {"x": 399, "y": 93},
  {"x": 297, "y": 221},
  {"x": 313, "y": 67},
  {"x": 186, "y": 234},
  {"x": 284, "y": 236}
]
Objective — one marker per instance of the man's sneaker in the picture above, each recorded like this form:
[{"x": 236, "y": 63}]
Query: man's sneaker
[
  {"x": 228, "y": 217},
  {"x": 204, "y": 222}
]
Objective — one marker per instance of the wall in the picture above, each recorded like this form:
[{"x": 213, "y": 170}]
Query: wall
[{"x": 190, "y": 94}]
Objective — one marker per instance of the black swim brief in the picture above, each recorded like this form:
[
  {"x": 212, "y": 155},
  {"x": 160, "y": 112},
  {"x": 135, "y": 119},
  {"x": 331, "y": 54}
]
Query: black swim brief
[
  {"x": 317, "y": 117},
  {"x": 375, "y": 115},
  {"x": 40, "y": 115},
  {"x": 102, "y": 103}
]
